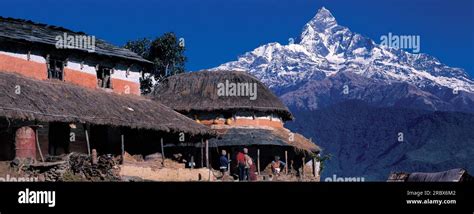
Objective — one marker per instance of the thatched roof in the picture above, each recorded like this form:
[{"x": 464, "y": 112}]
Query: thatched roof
[
  {"x": 23, "y": 30},
  {"x": 56, "y": 101},
  {"x": 452, "y": 175},
  {"x": 198, "y": 91},
  {"x": 257, "y": 136}
]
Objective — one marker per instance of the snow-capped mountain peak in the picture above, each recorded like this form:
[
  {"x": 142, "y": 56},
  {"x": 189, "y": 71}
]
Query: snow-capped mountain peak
[
  {"x": 315, "y": 36},
  {"x": 322, "y": 21},
  {"x": 326, "y": 48}
]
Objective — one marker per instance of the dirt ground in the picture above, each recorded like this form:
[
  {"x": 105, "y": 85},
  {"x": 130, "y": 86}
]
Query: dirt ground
[
  {"x": 155, "y": 169},
  {"x": 292, "y": 176},
  {"x": 166, "y": 174}
]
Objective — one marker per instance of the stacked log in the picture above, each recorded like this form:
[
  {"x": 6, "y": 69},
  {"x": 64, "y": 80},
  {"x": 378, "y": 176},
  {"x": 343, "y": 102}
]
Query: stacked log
[
  {"x": 106, "y": 168},
  {"x": 74, "y": 167}
]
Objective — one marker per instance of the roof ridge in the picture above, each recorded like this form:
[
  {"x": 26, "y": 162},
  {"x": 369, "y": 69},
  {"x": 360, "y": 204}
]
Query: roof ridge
[
  {"x": 21, "y": 29},
  {"x": 53, "y": 27}
]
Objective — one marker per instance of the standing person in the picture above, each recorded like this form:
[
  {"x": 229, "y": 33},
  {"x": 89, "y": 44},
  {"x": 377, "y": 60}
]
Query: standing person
[
  {"x": 224, "y": 162},
  {"x": 241, "y": 165},
  {"x": 248, "y": 164}
]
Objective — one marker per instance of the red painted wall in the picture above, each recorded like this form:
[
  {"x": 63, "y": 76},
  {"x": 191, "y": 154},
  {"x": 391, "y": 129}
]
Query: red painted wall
[
  {"x": 244, "y": 122},
  {"x": 27, "y": 68},
  {"x": 125, "y": 87}
]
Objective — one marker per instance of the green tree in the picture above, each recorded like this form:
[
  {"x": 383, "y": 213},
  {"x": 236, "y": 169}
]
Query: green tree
[
  {"x": 322, "y": 160},
  {"x": 166, "y": 53},
  {"x": 139, "y": 46}
]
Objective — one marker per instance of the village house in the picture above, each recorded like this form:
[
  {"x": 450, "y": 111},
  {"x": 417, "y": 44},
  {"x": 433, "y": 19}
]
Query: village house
[
  {"x": 32, "y": 49},
  {"x": 56, "y": 99},
  {"x": 251, "y": 120}
]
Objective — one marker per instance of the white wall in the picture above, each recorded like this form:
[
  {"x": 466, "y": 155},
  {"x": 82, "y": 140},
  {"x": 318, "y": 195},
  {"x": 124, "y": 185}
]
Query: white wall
[
  {"x": 120, "y": 70},
  {"x": 33, "y": 58},
  {"x": 243, "y": 115}
]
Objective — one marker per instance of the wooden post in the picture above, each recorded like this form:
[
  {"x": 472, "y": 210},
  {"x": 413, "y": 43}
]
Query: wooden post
[
  {"x": 88, "y": 143},
  {"x": 314, "y": 167},
  {"x": 302, "y": 166},
  {"x": 38, "y": 144},
  {"x": 258, "y": 161},
  {"x": 123, "y": 145},
  {"x": 94, "y": 157},
  {"x": 162, "y": 152},
  {"x": 202, "y": 153},
  {"x": 123, "y": 148},
  {"x": 286, "y": 162},
  {"x": 228, "y": 162},
  {"x": 207, "y": 154}
]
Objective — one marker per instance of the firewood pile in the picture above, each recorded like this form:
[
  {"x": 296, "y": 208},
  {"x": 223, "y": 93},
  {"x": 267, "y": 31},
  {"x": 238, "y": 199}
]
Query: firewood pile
[
  {"x": 106, "y": 168},
  {"x": 47, "y": 171},
  {"x": 50, "y": 172},
  {"x": 73, "y": 167}
]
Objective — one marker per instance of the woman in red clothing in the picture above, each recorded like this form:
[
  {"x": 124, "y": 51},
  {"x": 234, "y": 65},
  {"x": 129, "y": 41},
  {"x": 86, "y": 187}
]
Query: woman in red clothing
[{"x": 241, "y": 164}]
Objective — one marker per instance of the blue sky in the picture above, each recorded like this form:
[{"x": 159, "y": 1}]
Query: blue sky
[{"x": 217, "y": 31}]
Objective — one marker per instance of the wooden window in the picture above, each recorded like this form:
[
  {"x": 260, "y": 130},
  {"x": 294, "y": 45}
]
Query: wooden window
[
  {"x": 104, "y": 77},
  {"x": 55, "y": 69}
]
